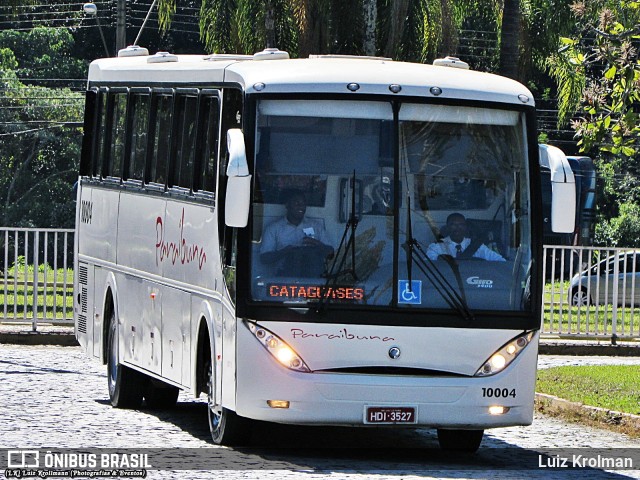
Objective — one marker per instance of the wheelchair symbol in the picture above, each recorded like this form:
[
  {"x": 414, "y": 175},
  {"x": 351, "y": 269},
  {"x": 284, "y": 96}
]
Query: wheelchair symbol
[{"x": 410, "y": 295}]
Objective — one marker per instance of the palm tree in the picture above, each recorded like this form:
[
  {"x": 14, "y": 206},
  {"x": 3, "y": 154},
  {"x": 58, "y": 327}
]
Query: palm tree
[
  {"x": 402, "y": 29},
  {"x": 509, "y": 39}
]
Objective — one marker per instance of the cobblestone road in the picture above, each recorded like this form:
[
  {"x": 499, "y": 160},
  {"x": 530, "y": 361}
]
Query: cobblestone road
[{"x": 54, "y": 397}]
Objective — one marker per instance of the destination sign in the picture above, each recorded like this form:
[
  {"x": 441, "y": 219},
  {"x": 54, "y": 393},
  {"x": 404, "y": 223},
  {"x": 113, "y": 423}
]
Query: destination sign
[{"x": 288, "y": 292}]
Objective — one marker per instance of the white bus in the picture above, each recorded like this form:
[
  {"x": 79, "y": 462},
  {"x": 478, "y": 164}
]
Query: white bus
[{"x": 262, "y": 230}]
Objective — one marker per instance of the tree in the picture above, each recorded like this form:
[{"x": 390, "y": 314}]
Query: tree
[
  {"x": 598, "y": 77},
  {"x": 509, "y": 40},
  {"x": 39, "y": 131},
  {"x": 402, "y": 29}
]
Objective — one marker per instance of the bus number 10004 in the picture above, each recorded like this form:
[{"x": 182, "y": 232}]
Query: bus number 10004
[{"x": 498, "y": 392}]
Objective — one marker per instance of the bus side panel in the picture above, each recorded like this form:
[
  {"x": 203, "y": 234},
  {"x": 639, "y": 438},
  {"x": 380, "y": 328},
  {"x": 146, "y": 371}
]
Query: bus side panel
[
  {"x": 229, "y": 353},
  {"x": 175, "y": 334},
  {"x": 186, "y": 246},
  {"x": 98, "y": 235},
  {"x": 99, "y": 296},
  {"x": 82, "y": 315},
  {"x": 140, "y": 229},
  {"x": 140, "y": 302}
]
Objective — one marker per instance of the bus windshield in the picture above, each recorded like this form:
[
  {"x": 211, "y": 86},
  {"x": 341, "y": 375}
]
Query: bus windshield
[{"x": 427, "y": 209}]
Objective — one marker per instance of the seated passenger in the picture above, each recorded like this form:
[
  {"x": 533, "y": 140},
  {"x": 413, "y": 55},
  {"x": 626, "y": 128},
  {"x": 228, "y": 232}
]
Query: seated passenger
[
  {"x": 458, "y": 245},
  {"x": 297, "y": 245}
]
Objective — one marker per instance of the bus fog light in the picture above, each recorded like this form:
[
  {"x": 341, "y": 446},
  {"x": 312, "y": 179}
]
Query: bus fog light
[
  {"x": 498, "y": 410},
  {"x": 278, "y": 403}
]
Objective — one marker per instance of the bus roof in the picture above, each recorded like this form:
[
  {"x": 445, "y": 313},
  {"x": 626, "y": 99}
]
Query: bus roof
[{"x": 317, "y": 75}]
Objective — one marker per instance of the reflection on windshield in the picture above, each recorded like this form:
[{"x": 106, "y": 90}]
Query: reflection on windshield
[{"x": 324, "y": 230}]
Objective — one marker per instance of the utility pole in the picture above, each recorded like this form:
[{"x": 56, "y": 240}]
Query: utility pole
[{"x": 121, "y": 26}]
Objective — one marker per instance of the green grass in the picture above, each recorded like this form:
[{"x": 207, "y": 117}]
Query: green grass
[
  {"x": 18, "y": 292},
  {"x": 610, "y": 387},
  {"x": 561, "y": 317}
]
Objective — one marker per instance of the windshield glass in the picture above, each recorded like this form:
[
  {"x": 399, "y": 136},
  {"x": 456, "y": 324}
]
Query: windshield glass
[{"x": 324, "y": 222}]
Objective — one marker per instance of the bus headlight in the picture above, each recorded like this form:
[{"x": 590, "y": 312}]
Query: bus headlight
[
  {"x": 503, "y": 357},
  {"x": 278, "y": 348}
]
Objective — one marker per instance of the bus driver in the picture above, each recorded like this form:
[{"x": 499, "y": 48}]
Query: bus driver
[
  {"x": 297, "y": 245},
  {"x": 458, "y": 245}
]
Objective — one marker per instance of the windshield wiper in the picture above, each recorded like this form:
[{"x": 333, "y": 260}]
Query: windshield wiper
[
  {"x": 448, "y": 292},
  {"x": 341, "y": 254}
]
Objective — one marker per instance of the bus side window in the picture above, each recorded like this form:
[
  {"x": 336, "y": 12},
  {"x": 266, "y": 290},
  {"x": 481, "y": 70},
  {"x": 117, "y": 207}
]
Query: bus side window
[
  {"x": 207, "y": 144},
  {"x": 87, "y": 159},
  {"x": 181, "y": 173},
  {"x": 160, "y": 132},
  {"x": 116, "y": 130},
  {"x": 99, "y": 134},
  {"x": 137, "y": 143}
]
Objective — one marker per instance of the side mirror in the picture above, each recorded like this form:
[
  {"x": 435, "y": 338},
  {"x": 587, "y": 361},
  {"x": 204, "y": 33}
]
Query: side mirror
[
  {"x": 237, "y": 200},
  {"x": 563, "y": 189}
]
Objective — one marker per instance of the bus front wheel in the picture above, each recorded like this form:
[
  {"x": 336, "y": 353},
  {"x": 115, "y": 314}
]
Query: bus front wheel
[
  {"x": 125, "y": 385},
  {"x": 460, "y": 440},
  {"x": 227, "y": 428}
]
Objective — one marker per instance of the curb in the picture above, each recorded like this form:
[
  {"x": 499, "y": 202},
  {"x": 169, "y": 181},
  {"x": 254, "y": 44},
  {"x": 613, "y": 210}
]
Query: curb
[
  {"x": 600, "y": 417},
  {"x": 39, "y": 338},
  {"x": 589, "y": 350}
]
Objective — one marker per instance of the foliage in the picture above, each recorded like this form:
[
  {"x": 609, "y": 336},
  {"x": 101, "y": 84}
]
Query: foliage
[
  {"x": 40, "y": 136},
  {"x": 597, "y": 72},
  {"x": 622, "y": 230},
  {"x": 598, "y": 80},
  {"x": 416, "y": 30},
  {"x": 44, "y": 53}
]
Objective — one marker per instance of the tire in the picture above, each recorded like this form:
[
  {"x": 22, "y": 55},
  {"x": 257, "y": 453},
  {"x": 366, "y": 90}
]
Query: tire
[
  {"x": 460, "y": 440},
  {"x": 579, "y": 297},
  {"x": 226, "y": 427},
  {"x": 160, "y": 395},
  {"x": 125, "y": 385}
]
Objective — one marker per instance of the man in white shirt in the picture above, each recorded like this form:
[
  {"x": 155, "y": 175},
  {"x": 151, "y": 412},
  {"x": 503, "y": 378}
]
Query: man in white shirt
[
  {"x": 457, "y": 243},
  {"x": 283, "y": 238}
]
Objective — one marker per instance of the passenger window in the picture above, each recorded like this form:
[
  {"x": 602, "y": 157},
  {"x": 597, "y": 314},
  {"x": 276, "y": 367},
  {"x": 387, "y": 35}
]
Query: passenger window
[
  {"x": 138, "y": 142},
  {"x": 99, "y": 134},
  {"x": 117, "y": 137},
  {"x": 161, "y": 129},
  {"x": 186, "y": 141},
  {"x": 207, "y": 157}
]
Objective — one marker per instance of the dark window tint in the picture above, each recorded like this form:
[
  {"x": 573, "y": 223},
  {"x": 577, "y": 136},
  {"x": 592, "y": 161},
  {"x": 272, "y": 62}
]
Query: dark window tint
[
  {"x": 139, "y": 128},
  {"x": 118, "y": 122},
  {"x": 209, "y": 126},
  {"x": 185, "y": 141},
  {"x": 99, "y": 134},
  {"x": 161, "y": 139}
]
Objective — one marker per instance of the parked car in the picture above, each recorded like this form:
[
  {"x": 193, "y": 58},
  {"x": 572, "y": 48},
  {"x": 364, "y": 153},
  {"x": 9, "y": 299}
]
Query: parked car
[{"x": 596, "y": 285}]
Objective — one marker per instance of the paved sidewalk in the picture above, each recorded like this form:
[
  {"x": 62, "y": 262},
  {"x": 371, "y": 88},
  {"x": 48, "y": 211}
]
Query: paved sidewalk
[{"x": 23, "y": 334}]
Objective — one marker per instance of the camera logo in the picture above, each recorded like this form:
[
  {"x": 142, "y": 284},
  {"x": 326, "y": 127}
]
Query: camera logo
[{"x": 23, "y": 458}]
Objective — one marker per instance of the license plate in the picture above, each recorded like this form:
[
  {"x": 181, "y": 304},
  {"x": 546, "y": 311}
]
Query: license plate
[{"x": 390, "y": 415}]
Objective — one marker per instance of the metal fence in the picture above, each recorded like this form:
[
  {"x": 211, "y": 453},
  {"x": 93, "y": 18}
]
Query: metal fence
[
  {"x": 37, "y": 272},
  {"x": 589, "y": 292},
  {"x": 592, "y": 292}
]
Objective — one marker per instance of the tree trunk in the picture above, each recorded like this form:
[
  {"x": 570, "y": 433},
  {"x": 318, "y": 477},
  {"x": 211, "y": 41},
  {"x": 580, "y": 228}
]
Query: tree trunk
[
  {"x": 449, "y": 35},
  {"x": 370, "y": 27},
  {"x": 270, "y": 25},
  {"x": 398, "y": 19},
  {"x": 509, "y": 45}
]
